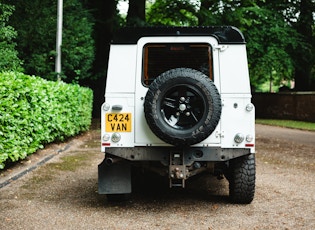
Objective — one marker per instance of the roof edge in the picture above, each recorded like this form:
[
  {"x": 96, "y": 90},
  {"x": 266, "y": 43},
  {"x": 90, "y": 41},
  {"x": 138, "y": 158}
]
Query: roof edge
[{"x": 224, "y": 34}]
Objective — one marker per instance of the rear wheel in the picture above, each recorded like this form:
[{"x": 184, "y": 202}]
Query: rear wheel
[{"x": 241, "y": 176}]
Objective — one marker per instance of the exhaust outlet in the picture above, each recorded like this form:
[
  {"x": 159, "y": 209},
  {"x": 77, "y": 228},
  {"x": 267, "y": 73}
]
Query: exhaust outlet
[{"x": 110, "y": 160}]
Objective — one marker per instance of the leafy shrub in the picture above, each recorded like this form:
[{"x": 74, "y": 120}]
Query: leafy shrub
[{"x": 34, "y": 111}]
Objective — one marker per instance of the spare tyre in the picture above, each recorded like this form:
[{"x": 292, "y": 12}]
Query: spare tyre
[{"x": 182, "y": 106}]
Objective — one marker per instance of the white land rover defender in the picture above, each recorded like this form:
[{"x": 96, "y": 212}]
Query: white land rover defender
[{"x": 178, "y": 102}]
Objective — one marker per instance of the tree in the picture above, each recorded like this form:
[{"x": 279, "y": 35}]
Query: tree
[
  {"x": 78, "y": 44},
  {"x": 269, "y": 37},
  {"x": 106, "y": 21},
  {"x": 204, "y": 15},
  {"x": 9, "y": 55},
  {"x": 37, "y": 38},
  {"x": 104, "y": 14},
  {"x": 304, "y": 56},
  {"x": 136, "y": 13},
  {"x": 174, "y": 13},
  {"x": 299, "y": 15}
]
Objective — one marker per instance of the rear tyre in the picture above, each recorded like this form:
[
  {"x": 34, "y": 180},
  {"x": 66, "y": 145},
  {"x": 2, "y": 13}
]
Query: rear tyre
[{"x": 242, "y": 176}]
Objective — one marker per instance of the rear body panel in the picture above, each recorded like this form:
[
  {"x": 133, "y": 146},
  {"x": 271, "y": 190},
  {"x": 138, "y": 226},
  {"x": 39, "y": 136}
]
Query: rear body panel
[{"x": 125, "y": 88}]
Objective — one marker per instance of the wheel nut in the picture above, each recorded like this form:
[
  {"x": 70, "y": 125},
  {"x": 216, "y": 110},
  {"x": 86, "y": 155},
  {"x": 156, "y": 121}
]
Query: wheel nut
[
  {"x": 182, "y": 99},
  {"x": 182, "y": 107},
  {"x": 187, "y": 114}
]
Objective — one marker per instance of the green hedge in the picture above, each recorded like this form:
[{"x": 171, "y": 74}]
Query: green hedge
[{"x": 34, "y": 111}]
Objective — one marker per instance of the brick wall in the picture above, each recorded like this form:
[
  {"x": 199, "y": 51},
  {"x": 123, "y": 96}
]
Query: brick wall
[{"x": 290, "y": 106}]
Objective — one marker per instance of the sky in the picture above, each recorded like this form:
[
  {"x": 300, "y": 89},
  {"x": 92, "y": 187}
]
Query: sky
[{"x": 123, "y": 7}]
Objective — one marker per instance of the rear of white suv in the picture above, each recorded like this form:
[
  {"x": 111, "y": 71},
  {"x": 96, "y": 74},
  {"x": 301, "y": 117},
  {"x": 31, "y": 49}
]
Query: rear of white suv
[{"x": 178, "y": 97}]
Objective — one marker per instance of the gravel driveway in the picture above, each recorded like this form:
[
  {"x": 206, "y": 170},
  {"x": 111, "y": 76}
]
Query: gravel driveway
[{"x": 62, "y": 194}]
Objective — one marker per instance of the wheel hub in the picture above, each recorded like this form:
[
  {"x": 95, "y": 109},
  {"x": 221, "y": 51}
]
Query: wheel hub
[{"x": 182, "y": 107}]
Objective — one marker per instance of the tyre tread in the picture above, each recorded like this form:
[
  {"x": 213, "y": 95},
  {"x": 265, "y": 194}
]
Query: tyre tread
[{"x": 242, "y": 178}]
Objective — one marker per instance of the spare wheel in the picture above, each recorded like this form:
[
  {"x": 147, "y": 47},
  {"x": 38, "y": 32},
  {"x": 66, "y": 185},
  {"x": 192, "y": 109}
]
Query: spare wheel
[{"x": 182, "y": 106}]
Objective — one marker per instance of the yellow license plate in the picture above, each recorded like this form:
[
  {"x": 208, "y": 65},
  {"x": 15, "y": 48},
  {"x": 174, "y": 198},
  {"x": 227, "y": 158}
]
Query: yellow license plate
[{"x": 118, "y": 122}]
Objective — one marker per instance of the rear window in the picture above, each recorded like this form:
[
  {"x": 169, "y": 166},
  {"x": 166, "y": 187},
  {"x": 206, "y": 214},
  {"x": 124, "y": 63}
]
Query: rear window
[{"x": 158, "y": 58}]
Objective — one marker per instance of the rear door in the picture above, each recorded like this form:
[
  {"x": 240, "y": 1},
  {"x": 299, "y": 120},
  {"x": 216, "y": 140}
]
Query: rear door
[{"x": 156, "y": 55}]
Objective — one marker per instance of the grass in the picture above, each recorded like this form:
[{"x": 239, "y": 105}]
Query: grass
[
  {"x": 288, "y": 124},
  {"x": 44, "y": 175},
  {"x": 70, "y": 163}
]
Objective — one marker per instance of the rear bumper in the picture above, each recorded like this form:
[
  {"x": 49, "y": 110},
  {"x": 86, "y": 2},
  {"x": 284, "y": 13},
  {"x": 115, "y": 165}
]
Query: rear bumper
[{"x": 190, "y": 154}]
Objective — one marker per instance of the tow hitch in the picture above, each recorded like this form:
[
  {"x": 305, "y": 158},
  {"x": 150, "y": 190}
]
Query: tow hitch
[{"x": 177, "y": 170}]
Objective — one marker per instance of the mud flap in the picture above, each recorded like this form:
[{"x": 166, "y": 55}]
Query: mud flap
[{"x": 114, "y": 178}]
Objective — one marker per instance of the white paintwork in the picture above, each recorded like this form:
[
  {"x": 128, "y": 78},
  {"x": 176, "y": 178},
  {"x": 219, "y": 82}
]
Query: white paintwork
[
  {"x": 127, "y": 102},
  {"x": 234, "y": 75},
  {"x": 236, "y": 120},
  {"x": 121, "y": 69},
  {"x": 124, "y": 87}
]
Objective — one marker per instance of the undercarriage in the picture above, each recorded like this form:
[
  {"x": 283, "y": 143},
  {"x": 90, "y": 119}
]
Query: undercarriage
[{"x": 176, "y": 164}]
